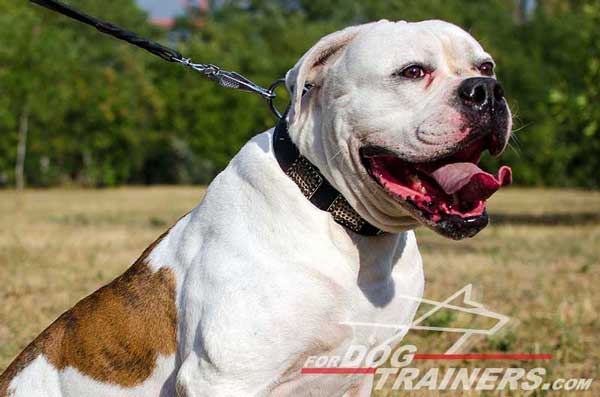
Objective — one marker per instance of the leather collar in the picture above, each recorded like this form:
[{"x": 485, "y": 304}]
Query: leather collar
[{"x": 314, "y": 186}]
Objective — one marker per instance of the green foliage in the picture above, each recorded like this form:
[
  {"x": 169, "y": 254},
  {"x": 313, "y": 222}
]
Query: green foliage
[{"x": 103, "y": 113}]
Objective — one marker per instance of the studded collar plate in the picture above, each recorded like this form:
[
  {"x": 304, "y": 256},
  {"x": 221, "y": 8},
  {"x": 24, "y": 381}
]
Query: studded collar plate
[{"x": 314, "y": 186}]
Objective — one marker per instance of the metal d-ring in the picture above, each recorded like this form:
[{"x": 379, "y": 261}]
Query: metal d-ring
[
  {"x": 270, "y": 99},
  {"x": 273, "y": 95}
]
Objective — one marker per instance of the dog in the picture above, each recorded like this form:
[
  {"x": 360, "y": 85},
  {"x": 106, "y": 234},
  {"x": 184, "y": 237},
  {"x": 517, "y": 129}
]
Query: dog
[{"x": 308, "y": 228}]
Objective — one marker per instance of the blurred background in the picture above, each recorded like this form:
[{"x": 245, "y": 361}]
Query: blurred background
[
  {"x": 78, "y": 107},
  {"x": 80, "y": 110}
]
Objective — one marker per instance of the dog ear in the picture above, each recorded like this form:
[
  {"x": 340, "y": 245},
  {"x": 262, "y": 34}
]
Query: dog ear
[{"x": 309, "y": 69}]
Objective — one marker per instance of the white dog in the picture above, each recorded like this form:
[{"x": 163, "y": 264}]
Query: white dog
[{"x": 309, "y": 227}]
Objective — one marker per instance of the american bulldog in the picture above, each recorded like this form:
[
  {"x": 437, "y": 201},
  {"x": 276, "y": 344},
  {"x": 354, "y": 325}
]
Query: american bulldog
[{"x": 308, "y": 228}]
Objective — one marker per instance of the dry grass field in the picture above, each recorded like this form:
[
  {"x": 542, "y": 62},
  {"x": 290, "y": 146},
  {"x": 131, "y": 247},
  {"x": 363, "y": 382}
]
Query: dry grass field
[{"x": 539, "y": 263}]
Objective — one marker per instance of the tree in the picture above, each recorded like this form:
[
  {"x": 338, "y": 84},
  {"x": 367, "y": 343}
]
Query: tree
[
  {"x": 81, "y": 95},
  {"x": 100, "y": 112}
]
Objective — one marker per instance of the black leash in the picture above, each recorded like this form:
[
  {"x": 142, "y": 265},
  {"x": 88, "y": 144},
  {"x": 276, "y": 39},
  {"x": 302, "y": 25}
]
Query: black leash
[{"x": 222, "y": 77}]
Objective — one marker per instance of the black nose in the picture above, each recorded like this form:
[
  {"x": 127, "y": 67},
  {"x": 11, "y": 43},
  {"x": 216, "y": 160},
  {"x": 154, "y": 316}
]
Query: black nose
[{"x": 481, "y": 93}]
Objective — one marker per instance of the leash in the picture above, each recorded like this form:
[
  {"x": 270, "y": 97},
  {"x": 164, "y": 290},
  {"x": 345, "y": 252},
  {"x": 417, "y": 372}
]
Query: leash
[{"x": 224, "y": 78}]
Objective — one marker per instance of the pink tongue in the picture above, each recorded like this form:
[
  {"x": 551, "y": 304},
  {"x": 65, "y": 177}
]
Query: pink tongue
[{"x": 469, "y": 181}]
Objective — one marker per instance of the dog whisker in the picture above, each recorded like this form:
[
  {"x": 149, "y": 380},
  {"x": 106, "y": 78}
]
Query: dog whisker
[
  {"x": 521, "y": 128},
  {"x": 516, "y": 150}
]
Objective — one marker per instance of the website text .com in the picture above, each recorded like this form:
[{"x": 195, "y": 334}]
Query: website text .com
[{"x": 398, "y": 375}]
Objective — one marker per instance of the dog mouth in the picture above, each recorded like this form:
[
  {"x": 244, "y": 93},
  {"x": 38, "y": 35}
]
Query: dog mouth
[{"x": 448, "y": 194}]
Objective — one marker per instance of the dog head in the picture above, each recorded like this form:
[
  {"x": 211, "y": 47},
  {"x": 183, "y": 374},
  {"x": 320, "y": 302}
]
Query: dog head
[{"x": 396, "y": 119}]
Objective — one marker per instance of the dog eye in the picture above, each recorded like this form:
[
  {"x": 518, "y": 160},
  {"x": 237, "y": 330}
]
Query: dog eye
[
  {"x": 487, "y": 69},
  {"x": 413, "y": 72}
]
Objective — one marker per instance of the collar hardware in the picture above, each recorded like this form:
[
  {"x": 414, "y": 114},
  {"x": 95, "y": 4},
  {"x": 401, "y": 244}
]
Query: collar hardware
[
  {"x": 314, "y": 186},
  {"x": 306, "y": 176}
]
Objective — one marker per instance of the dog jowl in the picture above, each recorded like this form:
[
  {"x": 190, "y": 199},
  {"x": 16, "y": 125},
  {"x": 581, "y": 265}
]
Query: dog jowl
[{"x": 448, "y": 191}]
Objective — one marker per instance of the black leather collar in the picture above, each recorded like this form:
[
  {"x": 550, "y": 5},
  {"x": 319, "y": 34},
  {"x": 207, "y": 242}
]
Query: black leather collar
[{"x": 314, "y": 186}]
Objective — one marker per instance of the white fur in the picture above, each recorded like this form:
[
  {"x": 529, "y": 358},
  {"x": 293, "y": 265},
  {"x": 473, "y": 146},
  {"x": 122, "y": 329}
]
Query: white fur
[
  {"x": 256, "y": 295},
  {"x": 38, "y": 379},
  {"x": 264, "y": 277},
  {"x": 42, "y": 379}
]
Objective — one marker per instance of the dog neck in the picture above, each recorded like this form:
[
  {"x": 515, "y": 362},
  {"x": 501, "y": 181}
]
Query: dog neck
[
  {"x": 253, "y": 208},
  {"x": 314, "y": 186}
]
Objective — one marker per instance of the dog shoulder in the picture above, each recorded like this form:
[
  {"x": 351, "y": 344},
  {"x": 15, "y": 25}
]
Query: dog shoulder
[{"x": 114, "y": 335}]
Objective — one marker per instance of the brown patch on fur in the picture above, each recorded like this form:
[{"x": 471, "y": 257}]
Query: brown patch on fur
[{"x": 114, "y": 335}]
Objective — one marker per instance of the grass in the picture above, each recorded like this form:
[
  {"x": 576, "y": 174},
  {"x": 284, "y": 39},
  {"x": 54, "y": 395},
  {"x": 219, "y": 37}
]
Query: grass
[{"x": 539, "y": 264}]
